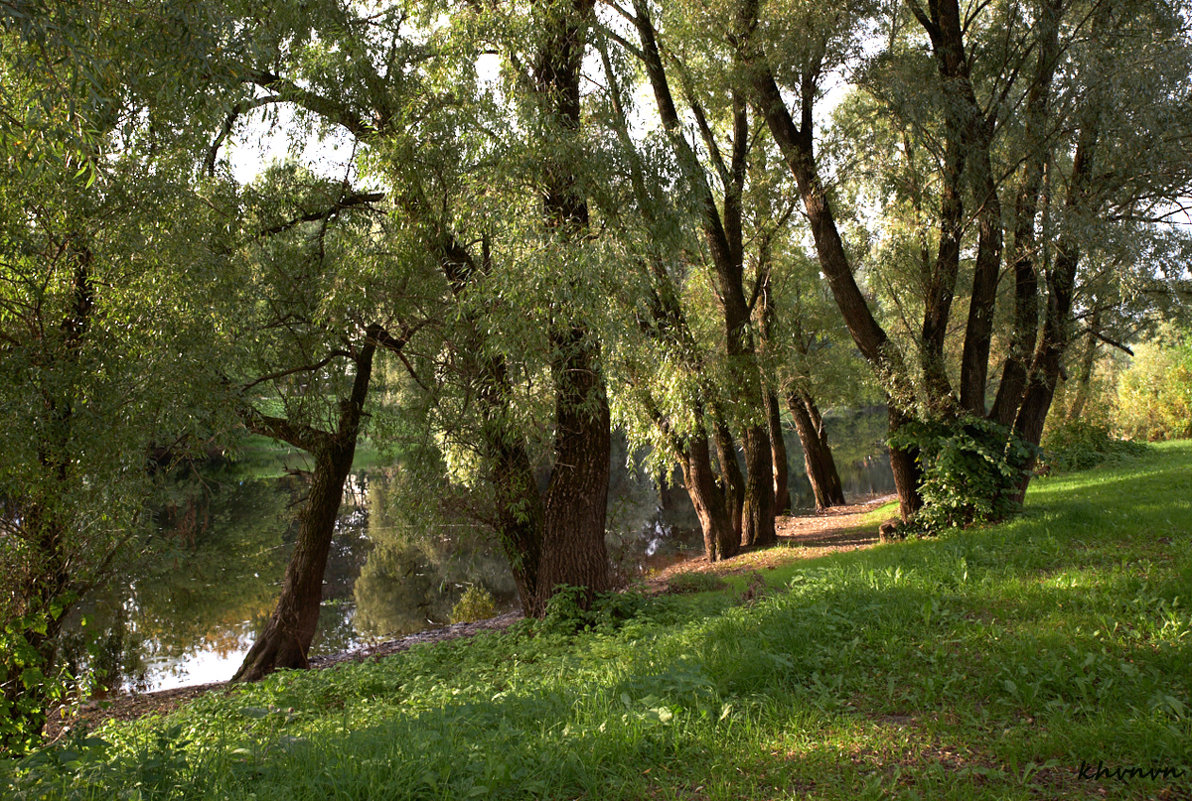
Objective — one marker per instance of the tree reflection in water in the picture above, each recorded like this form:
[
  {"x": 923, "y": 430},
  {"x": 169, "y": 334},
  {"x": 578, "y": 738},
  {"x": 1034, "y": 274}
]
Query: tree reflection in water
[{"x": 400, "y": 561}]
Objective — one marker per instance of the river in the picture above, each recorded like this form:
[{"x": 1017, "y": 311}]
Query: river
[{"x": 195, "y": 602}]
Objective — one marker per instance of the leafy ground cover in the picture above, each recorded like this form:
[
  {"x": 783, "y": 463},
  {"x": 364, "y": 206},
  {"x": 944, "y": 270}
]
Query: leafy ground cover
[{"x": 1010, "y": 661}]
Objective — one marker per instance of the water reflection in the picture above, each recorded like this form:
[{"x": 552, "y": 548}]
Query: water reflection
[{"x": 192, "y": 611}]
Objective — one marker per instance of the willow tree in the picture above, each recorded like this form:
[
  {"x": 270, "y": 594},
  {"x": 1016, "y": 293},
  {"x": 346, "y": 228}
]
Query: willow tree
[
  {"x": 969, "y": 100},
  {"x": 402, "y": 87},
  {"x": 100, "y": 337},
  {"x": 298, "y": 294}
]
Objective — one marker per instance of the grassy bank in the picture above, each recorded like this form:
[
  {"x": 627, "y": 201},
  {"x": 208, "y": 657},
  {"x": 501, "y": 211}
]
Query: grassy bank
[{"x": 989, "y": 663}]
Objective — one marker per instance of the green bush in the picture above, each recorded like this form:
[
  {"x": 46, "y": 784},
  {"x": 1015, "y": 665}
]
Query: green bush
[
  {"x": 30, "y": 684},
  {"x": 1154, "y": 395},
  {"x": 575, "y": 609},
  {"x": 475, "y": 604},
  {"x": 1079, "y": 445},
  {"x": 971, "y": 470}
]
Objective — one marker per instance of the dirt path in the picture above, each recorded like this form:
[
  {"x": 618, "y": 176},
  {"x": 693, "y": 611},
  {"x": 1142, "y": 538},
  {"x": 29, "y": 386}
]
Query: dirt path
[
  {"x": 842, "y": 528},
  {"x": 801, "y": 537}
]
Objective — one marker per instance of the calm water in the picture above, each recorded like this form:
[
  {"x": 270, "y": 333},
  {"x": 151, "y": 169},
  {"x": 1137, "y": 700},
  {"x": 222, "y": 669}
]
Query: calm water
[{"x": 194, "y": 610}]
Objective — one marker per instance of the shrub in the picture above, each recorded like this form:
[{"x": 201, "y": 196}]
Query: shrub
[
  {"x": 475, "y": 604},
  {"x": 971, "y": 470},
  {"x": 30, "y": 682},
  {"x": 1079, "y": 445},
  {"x": 574, "y": 609},
  {"x": 1154, "y": 395}
]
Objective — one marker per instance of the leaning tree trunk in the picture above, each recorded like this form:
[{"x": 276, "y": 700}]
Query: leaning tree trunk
[
  {"x": 795, "y": 144},
  {"x": 782, "y": 493},
  {"x": 817, "y": 455},
  {"x": 286, "y": 639}
]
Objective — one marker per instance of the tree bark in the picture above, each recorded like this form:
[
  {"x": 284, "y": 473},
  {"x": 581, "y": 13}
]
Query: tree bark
[
  {"x": 1026, "y": 280},
  {"x": 817, "y": 455},
  {"x": 574, "y": 507},
  {"x": 904, "y": 463},
  {"x": 732, "y": 481},
  {"x": 1061, "y": 283},
  {"x": 721, "y": 540},
  {"x": 782, "y": 493},
  {"x": 286, "y": 640},
  {"x": 573, "y": 550},
  {"x": 758, "y": 509}
]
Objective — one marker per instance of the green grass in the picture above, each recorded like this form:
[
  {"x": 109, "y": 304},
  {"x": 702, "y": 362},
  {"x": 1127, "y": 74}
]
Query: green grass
[{"x": 987, "y": 663}]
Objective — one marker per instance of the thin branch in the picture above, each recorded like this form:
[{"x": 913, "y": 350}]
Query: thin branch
[
  {"x": 305, "y": 368},
  {"x": 1095, "y": 333},
  {"x": 354, "y": 200}
]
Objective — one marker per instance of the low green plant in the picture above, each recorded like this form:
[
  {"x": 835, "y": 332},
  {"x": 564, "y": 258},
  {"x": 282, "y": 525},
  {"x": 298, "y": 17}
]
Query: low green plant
[
  {"x": 1080, "y": 445},
  {"x": 695, "y": 582},
  {"x": 972, "y": 468},
  {"x": 574, "y": 609},
  {"x": 475, "y": 604},
  {"x": 30, "y": 682}
]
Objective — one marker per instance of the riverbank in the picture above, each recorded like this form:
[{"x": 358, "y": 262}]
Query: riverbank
[
  {"x": 803, "y": 536},
  {"x": 1046, "y": 657}
]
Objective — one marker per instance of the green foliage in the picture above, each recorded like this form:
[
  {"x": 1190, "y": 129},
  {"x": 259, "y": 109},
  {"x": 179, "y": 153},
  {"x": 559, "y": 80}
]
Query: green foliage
[
  {"x": 475, "y": 604},
  {"x": 1154, "y": 395},
  {"x": 1079, "y": 445},
  {"x": 30, "y": 682},
  {"x": 971, "y": 470},
  {"x": 575, "y": 609}
]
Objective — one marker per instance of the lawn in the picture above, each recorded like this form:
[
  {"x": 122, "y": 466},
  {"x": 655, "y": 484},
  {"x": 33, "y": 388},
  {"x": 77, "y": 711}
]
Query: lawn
[{"x": 1010, "y": 661}]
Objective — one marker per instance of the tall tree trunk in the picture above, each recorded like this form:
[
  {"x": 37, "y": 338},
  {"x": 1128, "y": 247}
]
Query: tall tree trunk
[
  {"x": 795, "y": 144},
  {"x": 757, "y": 515},
  {"x": 1061, "y": 284},
  {"x": 286, "y": 640},
  {"x": 817, "y": 455},
  {"x": 782, "y": 493},
  {"x": 1024, "y": 255},
  {"x": 721, "y": 540},
  {"x": 573, "y": 550},
  {"x": 574, "y": 508},
  {"x": 732, "y": 480},
  {"x": 969, "y": 138}
]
